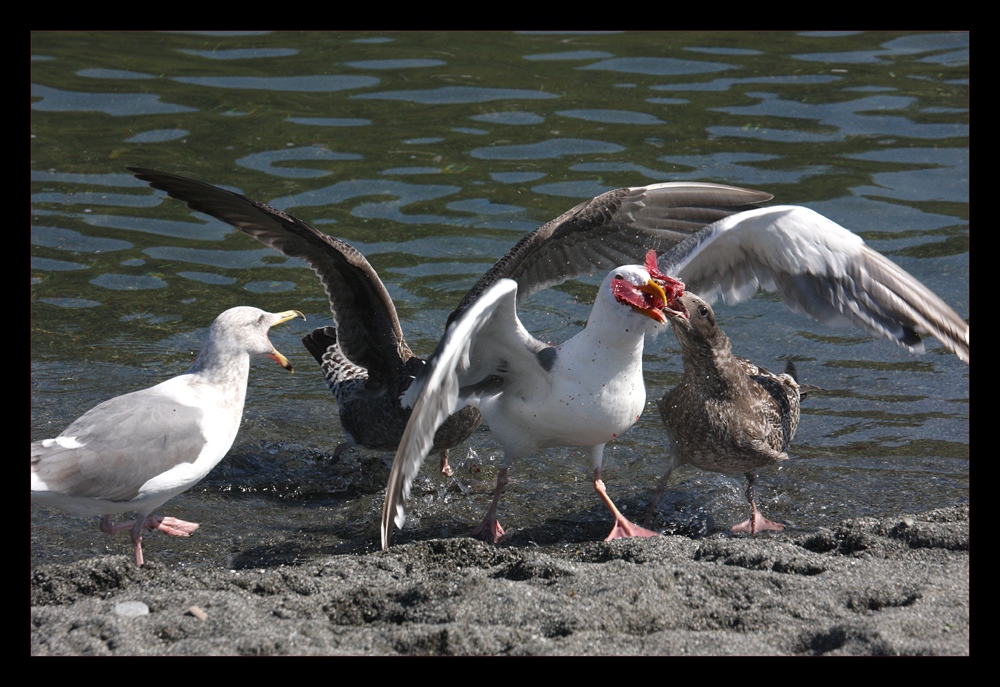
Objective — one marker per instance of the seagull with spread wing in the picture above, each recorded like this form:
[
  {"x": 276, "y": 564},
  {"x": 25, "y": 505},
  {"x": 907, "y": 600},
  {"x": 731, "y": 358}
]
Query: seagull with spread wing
[
  {"x": 729, "y": 415},
  {"x": 583, "y": 393},
  {"x": 820, "y": 269},
  {"x": 365, "y": 359}
]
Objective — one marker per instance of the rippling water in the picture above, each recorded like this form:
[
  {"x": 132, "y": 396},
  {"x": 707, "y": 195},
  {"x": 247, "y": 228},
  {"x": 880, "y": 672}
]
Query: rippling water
[{"x": 432, "y": 153}]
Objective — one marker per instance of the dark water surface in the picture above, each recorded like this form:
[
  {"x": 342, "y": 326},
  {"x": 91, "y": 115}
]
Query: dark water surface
[{"x": 432, "y": 154}]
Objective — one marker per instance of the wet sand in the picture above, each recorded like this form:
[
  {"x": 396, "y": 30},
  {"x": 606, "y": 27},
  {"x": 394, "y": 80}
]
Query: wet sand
[{"x": 870, "y": 586}]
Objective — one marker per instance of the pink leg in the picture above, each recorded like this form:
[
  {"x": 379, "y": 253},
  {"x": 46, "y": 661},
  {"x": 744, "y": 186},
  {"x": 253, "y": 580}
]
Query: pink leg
[
  {"x": 445, "y": 468},
  {"x": 109, "y": 527},
  {"x": 172, "y": 526},
  {"x": 623, "y": 528},
  {"x": 757, "y": 522},
  {"x": 134, "y": 528},
  {"x": 489, "y": 529},
  {"x": 136, "y": 534}
]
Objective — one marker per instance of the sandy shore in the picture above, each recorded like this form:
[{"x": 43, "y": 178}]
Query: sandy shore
[{"x": 868, "y": 587}]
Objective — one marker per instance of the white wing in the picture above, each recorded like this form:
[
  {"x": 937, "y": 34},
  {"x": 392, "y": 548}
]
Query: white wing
[
  {"x": 820, "y": 268},
  {"x": 484, "y": 348}
]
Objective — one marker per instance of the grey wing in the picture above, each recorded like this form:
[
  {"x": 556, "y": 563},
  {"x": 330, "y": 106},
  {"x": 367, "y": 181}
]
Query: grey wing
[
  {"x": 368, "y": 329},
  {"x": 119, "y": 445},
  {"x": 615, "y": 228},
  {"x": 820, "y": 269},
  {"x": 481, "y": 347}
]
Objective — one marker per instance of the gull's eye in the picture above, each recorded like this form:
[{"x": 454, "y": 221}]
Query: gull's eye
[
  {"x": 702, "y": 310},
  {"x": 618, "y": 276}
]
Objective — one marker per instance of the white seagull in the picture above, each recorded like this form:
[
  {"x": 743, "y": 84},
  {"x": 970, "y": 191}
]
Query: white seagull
[
  {"x": 583, "y": 393},
  {"x": 365, "y": 360},
  {"x": 137, "y": 451}
]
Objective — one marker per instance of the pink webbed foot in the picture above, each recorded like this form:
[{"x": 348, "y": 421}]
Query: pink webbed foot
[
  {"x": 172, "y": 526},
  {"x": 445, "y": 468},
  {"x": 489, "y": 531},
  {"x": 623, "y": 527},
  {"x": 758, "y": 523}
]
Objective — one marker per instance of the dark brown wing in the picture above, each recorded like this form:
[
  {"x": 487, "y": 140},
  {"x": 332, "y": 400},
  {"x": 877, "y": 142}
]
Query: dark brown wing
[
  {"x": 367, "y": 326},
  {"x": 615, "y": 228}
]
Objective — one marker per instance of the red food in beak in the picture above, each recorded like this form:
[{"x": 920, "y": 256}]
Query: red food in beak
[
  {"x": 673, "y": 288},
  {"x": 652, "y": 298},
  {"x": 648, "y": 299}
]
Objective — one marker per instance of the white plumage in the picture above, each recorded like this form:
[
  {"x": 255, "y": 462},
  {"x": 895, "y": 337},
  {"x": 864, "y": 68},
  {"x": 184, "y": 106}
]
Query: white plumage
[
  {"x": 583, "y": 393},
  {"x": 137, "y": 451}
]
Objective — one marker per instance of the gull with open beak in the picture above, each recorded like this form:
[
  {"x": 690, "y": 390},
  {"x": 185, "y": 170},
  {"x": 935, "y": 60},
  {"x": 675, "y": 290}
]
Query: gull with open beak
[{"x": 137, "y": 451}]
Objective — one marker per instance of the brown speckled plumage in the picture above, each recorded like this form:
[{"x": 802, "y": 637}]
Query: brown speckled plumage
[
  {"x": 376, "y": 419},
  {"x": 727, "y": 414}
]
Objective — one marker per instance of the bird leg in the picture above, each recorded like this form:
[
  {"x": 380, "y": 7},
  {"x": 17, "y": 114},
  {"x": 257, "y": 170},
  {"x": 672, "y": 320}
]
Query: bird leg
[
  {"x": 623, "y": 528},
  {"x": 171, "y": 526},
  {"x": 660, "y": 488},
  {"x": 445, "y": 468},
  {"x": 489, "y": 529},
  {"x": 136, "y": 534},
  {"x": 135, "y": 529},
  {"x": 757, "y": 522},
  {"x": 341, "y": 447}
]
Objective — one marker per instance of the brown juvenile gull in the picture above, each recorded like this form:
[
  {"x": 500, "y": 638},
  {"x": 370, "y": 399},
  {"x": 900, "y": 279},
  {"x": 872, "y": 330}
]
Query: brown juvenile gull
[
  {"x": 376, "y": 420},
  {"x": 727, "y": 414},
  {"x": 365, "y": 359},
  {"x": 137, "y": 451},
  {"x": 730, "y": 416},
  {"x": 583, "y": 393}
]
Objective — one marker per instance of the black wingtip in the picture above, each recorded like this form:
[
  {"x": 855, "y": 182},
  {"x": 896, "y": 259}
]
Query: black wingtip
[
  {"x": 319, "y": 341},
  {"x": 791, "y": 371}
]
